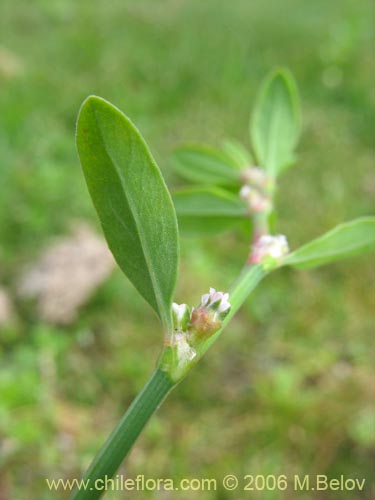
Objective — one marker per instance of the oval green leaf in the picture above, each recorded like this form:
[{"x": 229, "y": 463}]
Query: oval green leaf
[
  {"x": 206, "y": 165},
  {"x": 208, "y": 210},
  {"x": 132, "y": 201},
  {"x": 345, "y": 240},
  {"x": 275, "y": 125}
]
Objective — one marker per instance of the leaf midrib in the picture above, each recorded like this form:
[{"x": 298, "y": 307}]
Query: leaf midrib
[{"x": 271, "y": 146}]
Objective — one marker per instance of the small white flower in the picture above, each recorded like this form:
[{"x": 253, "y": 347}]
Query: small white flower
[
  {"x": 245, "y": 192},
  {"x": 205, "y": 299},
  {"x": 179, "y": 310},
  {"x": 217, "y": 302},
  {"x": 269, "y": 246},
  {"x": 181, "y": 316},
  {"x": 224, "y": 304}
]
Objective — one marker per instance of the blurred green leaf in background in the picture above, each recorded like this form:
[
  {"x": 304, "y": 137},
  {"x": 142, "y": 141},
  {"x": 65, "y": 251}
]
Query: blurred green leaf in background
[
  {"x": 275, "y": 125},
  {"x": 345, "y": 240},
  {"x": 209, "y": 210}
]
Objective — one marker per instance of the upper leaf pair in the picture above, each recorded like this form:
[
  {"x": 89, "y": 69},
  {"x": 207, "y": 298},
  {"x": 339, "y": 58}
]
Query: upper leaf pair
[
  {"x": 211, "y": 207},
  {"x": 274, "y": 132},
  {"x": 207, "y": 166}
]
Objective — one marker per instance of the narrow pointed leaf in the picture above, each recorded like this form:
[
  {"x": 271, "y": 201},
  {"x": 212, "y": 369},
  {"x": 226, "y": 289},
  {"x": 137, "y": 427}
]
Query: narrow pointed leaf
[
  {"x": 345, "y": 240},
  {"x": 208, "y": 210},
  {"x": 205, "y": 165},
  {"x": 275, "y": 124},
  {"x": 132, "y": 201}
]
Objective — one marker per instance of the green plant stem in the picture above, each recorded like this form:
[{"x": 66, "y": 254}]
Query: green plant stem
[
  {"x": 119, "y": 443},
  {"x": 243, "y": 286},
  {"x": 249, "y": 278},
  {"x": 260, "y": 225}
]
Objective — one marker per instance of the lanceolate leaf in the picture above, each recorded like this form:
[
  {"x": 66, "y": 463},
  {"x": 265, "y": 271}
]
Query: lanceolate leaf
[
  {"x": 208, "y": 210},
  {"x": 275, "y": 125},
  {"x": 206, "y": 165},
  {"x": 132, "y": 201},
  {"x": 343, "y": 241}
]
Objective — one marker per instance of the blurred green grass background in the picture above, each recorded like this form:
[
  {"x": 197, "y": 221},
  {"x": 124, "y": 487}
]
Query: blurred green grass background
[{"x": 289, "y": 387}]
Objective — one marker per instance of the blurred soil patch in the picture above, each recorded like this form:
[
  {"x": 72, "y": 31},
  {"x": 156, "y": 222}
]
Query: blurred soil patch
[{"x": 67, "y": 274}]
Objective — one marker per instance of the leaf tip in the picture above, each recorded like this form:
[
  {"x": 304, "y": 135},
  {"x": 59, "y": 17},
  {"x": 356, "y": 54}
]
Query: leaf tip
[
  {"x": 92, "y": 105},
  {"x": 92, "y": 102}
]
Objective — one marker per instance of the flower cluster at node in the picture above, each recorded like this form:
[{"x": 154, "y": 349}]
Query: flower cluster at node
[
  {"x": 256, "y": 201},
  {"x": 208, "y": 317},
  {"x": 191, "y": 329},
  {"x": 256, "y": 177},
  {"x": 217, "y": 301},
  {"x": 255, "y": 191},
  {"x": 204, "y": 320},
  {"x": 267, "y": 246}
]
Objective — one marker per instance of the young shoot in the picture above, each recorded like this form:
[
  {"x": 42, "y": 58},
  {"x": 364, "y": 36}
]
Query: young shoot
[{"x": 141, "y": 224}]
